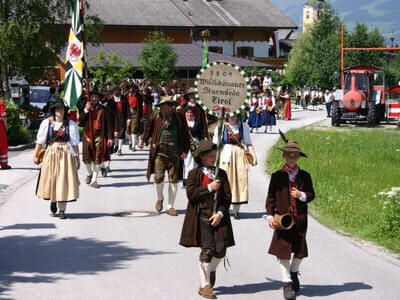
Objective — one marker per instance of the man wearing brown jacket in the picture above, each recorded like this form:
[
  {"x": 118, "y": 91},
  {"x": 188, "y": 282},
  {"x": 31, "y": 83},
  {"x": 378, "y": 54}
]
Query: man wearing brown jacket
[
  {"x": 98, "y": 136},
  {"x": 169, "y": 144}
]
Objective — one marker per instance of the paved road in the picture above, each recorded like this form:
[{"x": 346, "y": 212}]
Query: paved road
[{"x": 102, "y": 253}]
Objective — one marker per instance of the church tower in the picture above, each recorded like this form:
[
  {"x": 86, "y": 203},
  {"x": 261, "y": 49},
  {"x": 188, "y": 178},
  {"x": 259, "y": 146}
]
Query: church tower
[{"x": 311, "y": 12}]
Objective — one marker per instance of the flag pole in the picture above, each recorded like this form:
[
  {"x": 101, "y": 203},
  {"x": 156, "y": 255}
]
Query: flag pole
[
  {"x": 85, "y": 68},
  {"x": 86, "y": 72}
]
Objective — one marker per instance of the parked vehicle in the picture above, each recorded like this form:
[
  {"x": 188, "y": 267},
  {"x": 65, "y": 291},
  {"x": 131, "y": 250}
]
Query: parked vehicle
[
  {"x": 39, "y": 96},
  {"x": 362, "y": 98}
]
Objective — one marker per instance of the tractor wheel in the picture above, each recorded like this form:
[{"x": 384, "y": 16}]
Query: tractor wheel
[
  {"x": 372, "y": 115},
  {"x": 335, "y": 114}
]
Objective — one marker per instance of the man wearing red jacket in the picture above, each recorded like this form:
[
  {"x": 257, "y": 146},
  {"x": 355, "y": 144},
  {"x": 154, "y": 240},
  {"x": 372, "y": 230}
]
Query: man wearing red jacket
[
  {"x": 3, "y": 137},
  {"x": 135, "y": 103}
]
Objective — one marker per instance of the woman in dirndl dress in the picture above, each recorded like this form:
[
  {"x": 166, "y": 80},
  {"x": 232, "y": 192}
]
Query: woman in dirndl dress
[
  {"x": 236, "y": 141},
  {"x": 287, "y": 108},
  {"x": 269, "y": 111},
  {"x": 254, "y": 120},
  {"x": 196, "y": 133},
  {"x": 58, "y": 179}
]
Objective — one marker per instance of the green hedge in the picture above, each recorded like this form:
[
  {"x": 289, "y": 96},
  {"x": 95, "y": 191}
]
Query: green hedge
[{"x": 17, "y": 133}]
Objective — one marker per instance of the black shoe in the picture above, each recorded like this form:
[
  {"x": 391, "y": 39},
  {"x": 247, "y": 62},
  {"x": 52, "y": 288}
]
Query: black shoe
[
  {"x": 62, "y": 215},
  {"x": 288, "y": 292},
  {"x": 184, "y": 182},
  {"x": 295, "y": 281},
  {"x": 115, "y": 149},
  {"x": 7, "y": 167},
  {"x": 53, "y": 207},
  {"x": 88, "y": 179},
  {"x": 103, "y": 172},
  {"x": 130, "y": 146}
]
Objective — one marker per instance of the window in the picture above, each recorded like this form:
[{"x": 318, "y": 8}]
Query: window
[
  {"x": 245, "y": 52},
  {"x": 216, "y": 49}
]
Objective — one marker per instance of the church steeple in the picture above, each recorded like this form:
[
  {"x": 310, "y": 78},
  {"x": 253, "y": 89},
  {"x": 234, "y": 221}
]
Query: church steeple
[{"x": 311, "y": 12}]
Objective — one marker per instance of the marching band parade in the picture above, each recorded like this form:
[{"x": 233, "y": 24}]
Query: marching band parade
[{"x": 177, "y": 133}]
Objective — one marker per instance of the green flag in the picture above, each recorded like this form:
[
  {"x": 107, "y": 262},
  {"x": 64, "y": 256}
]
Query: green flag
[
  {"x": 206, "y": 35},
  {"x": 74, "y": 60},
  {"x": 205, "y": 54}
]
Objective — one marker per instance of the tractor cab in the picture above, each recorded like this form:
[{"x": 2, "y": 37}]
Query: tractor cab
[{"x": 362, "y": 96}]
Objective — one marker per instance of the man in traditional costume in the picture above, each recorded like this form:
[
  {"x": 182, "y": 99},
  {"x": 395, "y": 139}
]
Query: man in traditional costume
[
  {"x": 290, "y": 190},
  {"x": 3, "y": 137},
  {"x": 146, "y": 110},
  {"x": 98, "y": 137},
  {"x": 122, "y": 117},
  {"x": 135, "y": 113},
  {"x": 107, "y": 101},
  {"x": 169, "y": 144},
  {"x": 203, "y": 227}
]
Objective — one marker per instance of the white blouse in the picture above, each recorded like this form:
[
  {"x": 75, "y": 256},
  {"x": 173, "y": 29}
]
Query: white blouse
[
  {"x": 227, "y": 148},
  {"x": 41, "y": 137}
]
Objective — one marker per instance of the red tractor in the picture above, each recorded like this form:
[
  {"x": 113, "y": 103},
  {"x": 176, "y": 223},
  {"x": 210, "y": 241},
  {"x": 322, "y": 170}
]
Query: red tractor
[{"x": 362, "y": 98}]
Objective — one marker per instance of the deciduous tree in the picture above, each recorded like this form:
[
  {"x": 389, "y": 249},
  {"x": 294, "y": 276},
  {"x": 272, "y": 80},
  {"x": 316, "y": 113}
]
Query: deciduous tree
[{"x": 157, "y": 59}]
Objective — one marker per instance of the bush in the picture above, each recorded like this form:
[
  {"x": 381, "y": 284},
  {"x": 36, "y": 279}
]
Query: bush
[{"x": 17, "y": 133}]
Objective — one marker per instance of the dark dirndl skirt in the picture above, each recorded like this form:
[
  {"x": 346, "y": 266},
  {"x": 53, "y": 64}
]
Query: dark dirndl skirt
[
  {"x": 255, "y": 119},
  {"x": 269, "y": 118}
]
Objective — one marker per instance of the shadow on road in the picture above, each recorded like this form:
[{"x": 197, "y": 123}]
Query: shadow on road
[
  {"x": 251, "y": 288},
  {"x": 129, "y": 170},
  {"x": 44, "y": 259},
  {"x": 87, "y": 215},
  {"x": 130, "y": 159},
  {"x": 326, "y": 290},
  {"x": 251, "y": 215},
  {"x": 125, "y": 175},
  {"x": 15, "y": 169},
  {"x": 28, "y": 226},
  {"x": 124, "y": 184}
]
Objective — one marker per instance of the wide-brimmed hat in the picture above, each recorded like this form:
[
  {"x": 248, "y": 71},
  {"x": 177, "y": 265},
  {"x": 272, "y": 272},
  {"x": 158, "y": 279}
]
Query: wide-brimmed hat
[
  {"x": 292, "y": 146},
  {"x": 206, "y": 145},
  {"x": 58, "y": 103},
  {"x": 167, "y": 100},
  {"x": 189, "y": 91}
]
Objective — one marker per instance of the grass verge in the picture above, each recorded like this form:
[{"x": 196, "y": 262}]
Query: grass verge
[{"x": 356, "y": 178}]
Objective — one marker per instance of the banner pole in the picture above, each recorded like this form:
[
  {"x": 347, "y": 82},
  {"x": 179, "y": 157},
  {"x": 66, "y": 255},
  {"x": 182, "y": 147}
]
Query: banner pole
[{"x": 219, "y": 148}]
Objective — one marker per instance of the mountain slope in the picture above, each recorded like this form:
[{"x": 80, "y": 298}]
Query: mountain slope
[{"x": 383, "y": 14}]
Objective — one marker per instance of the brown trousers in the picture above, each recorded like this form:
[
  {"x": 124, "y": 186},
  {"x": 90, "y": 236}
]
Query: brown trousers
[{"x": 168, "y": 163}]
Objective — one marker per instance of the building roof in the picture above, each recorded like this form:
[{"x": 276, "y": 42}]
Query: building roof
[
  {"x": 190, "y": 56},
  {"x": 191, "y": 13}
]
